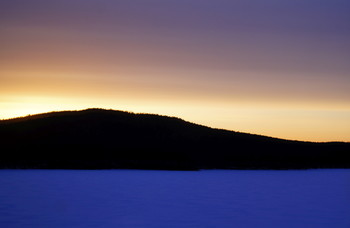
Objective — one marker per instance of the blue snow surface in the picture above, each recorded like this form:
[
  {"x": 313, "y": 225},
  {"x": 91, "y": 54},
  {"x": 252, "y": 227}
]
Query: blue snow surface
[{"x": 159, "y": 199}]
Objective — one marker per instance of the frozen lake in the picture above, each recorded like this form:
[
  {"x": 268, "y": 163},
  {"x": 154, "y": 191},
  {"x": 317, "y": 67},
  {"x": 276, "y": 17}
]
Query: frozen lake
[{"x": 134, "y": 198}]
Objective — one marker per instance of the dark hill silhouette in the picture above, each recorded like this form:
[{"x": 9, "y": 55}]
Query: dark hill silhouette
[{"x": 104, "y": 139}]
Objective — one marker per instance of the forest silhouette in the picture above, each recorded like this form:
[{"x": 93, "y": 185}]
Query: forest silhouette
[{"x": 109, "y": 139}]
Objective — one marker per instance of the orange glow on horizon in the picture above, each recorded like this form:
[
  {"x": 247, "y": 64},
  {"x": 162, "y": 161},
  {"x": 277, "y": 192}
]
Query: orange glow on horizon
[
  {"x": 290, "y": 118},
  {"x": 295, "y": 124}
]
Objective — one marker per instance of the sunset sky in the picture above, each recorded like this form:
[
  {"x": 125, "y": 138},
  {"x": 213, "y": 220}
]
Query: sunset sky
[{"x": 275, "y": 67}]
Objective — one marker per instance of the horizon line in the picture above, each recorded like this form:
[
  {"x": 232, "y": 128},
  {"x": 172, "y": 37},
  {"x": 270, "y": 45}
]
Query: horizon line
[{"x": 144, "y": 113}]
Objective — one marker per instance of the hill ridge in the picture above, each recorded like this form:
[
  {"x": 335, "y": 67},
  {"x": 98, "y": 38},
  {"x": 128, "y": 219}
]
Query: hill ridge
[
  {"x": 53, "y": 113},
  {"x": 99, "y": 138}
]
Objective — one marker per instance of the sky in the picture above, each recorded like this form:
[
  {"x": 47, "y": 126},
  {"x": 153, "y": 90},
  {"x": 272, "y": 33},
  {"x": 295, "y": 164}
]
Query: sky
[{"x": 274, "y": 67}]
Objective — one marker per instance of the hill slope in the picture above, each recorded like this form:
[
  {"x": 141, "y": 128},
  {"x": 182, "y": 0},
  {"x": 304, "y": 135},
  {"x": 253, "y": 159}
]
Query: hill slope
[{"x": 103, "y": 139}]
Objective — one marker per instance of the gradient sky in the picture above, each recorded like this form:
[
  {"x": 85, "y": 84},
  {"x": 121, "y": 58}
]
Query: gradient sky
[{"x": 274, "y": 67}]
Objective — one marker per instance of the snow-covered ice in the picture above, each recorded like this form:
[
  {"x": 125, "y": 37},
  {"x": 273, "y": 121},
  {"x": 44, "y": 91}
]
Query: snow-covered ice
[{"x": 158, "y": 199}]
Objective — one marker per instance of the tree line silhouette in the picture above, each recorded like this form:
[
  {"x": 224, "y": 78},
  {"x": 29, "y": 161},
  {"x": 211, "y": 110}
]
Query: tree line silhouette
[{"x": 108, "y": 139}]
